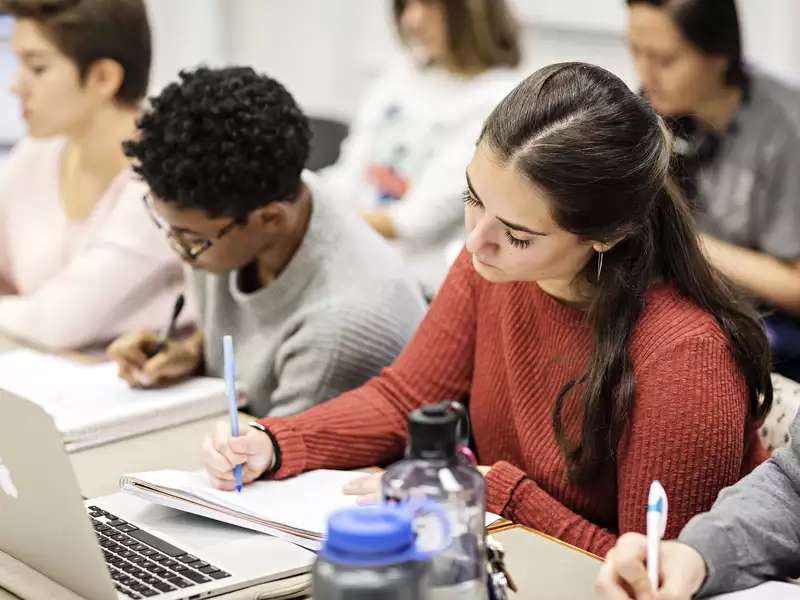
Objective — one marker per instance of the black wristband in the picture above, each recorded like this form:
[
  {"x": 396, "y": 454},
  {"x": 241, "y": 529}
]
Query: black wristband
[{"x": 276, "y": 449}]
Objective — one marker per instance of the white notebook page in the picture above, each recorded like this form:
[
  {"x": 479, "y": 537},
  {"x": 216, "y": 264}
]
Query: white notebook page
[
  {"x": 302, "y": 502},
  {"x": 84, "y": 397}
]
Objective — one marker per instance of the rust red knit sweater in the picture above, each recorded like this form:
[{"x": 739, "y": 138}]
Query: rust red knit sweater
[{"x": 510, "y": 348}]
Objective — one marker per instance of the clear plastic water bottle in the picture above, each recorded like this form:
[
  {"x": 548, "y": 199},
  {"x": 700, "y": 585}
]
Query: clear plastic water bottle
[
  {"x": 371, "y": 553},
  {"x": 433, "y": 469}
]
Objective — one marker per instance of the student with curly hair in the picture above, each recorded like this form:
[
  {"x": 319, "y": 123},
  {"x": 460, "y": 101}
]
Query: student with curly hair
[
  {"x": 316, "y": 301},
  {"x": 79, "y": 261},
  {"x": 402, "y": 163}
]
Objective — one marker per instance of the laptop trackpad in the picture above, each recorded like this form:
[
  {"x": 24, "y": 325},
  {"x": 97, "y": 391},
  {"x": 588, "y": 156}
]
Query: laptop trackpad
[{"x": 234, "y": 549}]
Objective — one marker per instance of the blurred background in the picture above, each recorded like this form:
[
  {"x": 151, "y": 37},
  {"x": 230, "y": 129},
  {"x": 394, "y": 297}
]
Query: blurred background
[{"x": 327, "y": 52}]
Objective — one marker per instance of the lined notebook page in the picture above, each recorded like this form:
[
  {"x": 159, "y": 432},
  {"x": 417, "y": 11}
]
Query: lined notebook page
[{"x": 86, "y": 399}]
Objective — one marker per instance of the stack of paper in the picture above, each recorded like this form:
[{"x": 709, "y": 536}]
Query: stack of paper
[
  {"x": 295, "y": 510},
  {"x": 91, "y": 405}
]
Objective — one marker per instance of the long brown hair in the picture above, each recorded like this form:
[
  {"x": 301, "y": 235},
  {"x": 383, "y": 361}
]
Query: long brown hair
[
  {"x": 604, "y": 157},
  {"x": 481, "y": 33}
]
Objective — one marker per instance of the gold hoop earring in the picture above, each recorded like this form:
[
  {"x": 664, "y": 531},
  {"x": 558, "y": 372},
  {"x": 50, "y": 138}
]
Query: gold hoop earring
[{"x": 599, "y": 264}]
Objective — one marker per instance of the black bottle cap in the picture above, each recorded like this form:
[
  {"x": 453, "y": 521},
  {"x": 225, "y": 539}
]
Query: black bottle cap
[{"x": 433, "y": 430}]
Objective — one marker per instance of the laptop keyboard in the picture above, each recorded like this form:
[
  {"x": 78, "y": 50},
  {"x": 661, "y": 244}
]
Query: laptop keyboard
[{"x": 143, "y": 565}]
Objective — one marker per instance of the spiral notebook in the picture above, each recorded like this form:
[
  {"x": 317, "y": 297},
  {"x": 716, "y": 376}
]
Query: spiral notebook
[
  {"x": 295, "y": 510},
  {"x": 91, "y": 405}
]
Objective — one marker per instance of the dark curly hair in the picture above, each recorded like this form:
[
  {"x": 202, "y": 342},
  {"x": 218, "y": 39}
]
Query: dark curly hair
[{"x": 225, "y": 141}]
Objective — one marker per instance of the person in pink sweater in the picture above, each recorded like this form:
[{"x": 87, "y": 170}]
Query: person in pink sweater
[
  {"x": 595, "y": 347},
  {"x": 80, "y": 260}
]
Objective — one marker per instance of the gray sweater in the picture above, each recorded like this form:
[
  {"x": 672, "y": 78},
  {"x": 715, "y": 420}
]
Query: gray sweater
[
  {"x": 342, "y": 309},
  {"x": 752, "y": 533}
]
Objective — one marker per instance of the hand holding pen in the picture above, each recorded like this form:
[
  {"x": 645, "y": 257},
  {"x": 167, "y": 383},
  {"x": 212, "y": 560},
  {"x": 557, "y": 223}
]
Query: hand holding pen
[
  {"x": 643, "y": 567},
  {"x": 146, "y": 359},
  {"x": 169, "y": 332},
  {"x": 232, "y": 460}
]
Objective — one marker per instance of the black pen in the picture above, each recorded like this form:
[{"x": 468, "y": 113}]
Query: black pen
[{"x": 170, "y": 330}]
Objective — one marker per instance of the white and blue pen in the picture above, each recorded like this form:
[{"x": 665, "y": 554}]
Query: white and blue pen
[
  {"x": 230, "y": 390},
  {"x": 656, "y": 527}
]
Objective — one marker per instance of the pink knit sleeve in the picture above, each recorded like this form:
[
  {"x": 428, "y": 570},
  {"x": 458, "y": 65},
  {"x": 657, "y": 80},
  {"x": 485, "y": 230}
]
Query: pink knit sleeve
[{"x": 124, "y": 278}]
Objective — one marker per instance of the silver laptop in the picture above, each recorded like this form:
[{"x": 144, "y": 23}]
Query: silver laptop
[{"x": 117, "y": 546}]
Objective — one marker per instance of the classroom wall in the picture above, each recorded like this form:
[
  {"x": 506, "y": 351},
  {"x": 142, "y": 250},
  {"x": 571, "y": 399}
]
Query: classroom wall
[
  {"x": 327, "y": 52},
  {"x": 770, "y": 35},
  {"x": 11, "y": 126},
  {"x": 330, "y": 51},
  {"x": 185, "y": 33},
  {"x": 344, "y": 44}
]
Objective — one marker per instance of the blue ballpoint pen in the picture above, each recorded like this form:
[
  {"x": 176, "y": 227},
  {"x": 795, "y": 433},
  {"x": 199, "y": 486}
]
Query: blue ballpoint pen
[{"x": 230, "y": 389}]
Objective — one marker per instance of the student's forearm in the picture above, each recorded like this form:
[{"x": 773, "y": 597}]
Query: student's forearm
[
  {"x": 751, "y": 535},
  {"x": 357, "y": 429},
  {"x": 515, "y": 496},
  {"x": 764, "y": 276}
]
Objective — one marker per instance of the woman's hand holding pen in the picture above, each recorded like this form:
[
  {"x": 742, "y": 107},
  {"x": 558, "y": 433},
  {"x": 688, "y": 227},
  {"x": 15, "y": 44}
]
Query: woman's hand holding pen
[
  {"x": 624, "y": 575},
  {"x": 174, "y": 361},
  {"x": 221, "y": 452}
]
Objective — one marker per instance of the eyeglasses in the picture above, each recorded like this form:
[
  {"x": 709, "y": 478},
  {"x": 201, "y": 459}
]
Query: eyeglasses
[{"x": 187, "y": 249}]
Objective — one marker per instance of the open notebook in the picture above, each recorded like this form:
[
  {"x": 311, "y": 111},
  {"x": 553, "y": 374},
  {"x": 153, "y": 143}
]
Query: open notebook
[
  {"x": 91, "y": 405},
  {"x": 295, "y": 509}
]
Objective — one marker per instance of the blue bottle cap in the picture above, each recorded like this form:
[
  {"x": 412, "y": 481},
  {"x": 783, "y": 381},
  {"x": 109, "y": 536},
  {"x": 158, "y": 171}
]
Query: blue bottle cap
[{"x": 371, "y": 536}]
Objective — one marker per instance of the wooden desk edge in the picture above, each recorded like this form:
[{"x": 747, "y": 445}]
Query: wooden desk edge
[{"x": 505, "y": 525}]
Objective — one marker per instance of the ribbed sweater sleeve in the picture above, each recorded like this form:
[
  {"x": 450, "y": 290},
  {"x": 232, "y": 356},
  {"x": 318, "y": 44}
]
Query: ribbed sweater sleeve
[
  {"x": 687, "y": 431},
  {"x": 127, "y": 258},
  {"x": 367, "y": 426}
]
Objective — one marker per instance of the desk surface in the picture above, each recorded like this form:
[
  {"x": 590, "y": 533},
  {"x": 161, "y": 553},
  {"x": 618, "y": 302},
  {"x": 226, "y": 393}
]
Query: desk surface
[
  {"x": 98, "y": 469},
  {"x": 541, "y": 566},
  {"x": 546, "y": 568}
]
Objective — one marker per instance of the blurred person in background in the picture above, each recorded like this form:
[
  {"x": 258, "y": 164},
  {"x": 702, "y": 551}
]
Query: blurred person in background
[
  {"x": 80, "y": 261},
  {"x": 402, "y": 165},
  {"x": 740, "y": 141}
]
